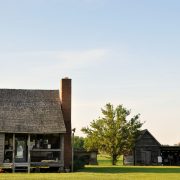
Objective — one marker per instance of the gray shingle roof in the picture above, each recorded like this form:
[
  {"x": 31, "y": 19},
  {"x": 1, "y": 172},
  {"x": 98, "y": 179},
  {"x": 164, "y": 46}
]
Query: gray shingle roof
[{"x": 30, "y": 111}]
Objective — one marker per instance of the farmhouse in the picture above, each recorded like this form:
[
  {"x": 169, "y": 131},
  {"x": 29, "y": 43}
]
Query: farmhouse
[{"x": 35, "y": 128}]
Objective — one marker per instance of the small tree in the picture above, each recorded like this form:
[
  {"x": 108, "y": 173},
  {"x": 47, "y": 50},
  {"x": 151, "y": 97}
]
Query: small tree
[
  {"x": 113, "y": 133},
  {"x": 78, "y": 142}
]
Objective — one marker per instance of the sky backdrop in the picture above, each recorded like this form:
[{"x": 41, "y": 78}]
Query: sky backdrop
[{"x": 118, "y": 51}]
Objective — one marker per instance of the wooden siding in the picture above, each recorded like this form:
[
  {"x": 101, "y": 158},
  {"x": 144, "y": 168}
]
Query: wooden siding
[
  {"x": 2, "y": 139},
  {"x": 147, "y": 142},
  {"x": 147, "y": 149},
  {"x": 147, "y": 155}
]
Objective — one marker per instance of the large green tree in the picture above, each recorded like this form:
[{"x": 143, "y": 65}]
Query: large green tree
[{"x": 114, "y": 133}]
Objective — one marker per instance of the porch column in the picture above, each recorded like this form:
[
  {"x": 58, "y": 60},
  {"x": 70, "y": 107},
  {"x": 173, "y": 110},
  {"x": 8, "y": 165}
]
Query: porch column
[
  {"x": 29, "y": 158},
  {"x": 62, "y": 149},
  {"x": 13, "y": 155},
  {"x": 2, "y": 147}
]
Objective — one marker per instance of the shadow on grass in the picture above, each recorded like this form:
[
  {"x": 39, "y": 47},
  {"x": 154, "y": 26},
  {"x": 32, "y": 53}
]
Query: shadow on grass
[
  {"x": 109, "y": 162},
  {"x": 126, "y": 169}
]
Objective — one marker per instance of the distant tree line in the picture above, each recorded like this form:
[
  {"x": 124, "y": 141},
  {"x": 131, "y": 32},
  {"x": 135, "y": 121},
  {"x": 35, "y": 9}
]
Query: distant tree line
[{"x": 78, "y": 142}]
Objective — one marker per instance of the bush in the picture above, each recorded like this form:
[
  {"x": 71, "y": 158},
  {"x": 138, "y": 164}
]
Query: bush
[{"x": 79, "y": 163}]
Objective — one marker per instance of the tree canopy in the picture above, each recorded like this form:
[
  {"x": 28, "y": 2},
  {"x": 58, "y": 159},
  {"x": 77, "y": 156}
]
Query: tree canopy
[
  {"x": 113, "y": 133},
  {"x": 78, "y": 142}
]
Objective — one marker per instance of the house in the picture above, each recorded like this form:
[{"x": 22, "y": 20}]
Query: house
[{"x": 35, "y": 128}]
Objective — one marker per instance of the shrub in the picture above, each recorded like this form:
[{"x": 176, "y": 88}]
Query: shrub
[{"x": 79, "y": 163}]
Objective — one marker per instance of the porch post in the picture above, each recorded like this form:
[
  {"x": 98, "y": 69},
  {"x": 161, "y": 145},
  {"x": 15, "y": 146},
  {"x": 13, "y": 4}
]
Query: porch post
[
  {"x": 62, "y": 148},
  {"x": 29, "y": 160},
  {"x": 13, "y": 155}
]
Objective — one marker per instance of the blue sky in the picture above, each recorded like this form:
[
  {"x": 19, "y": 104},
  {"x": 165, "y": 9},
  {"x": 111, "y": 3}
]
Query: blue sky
[{"x": 123, "y": 52}]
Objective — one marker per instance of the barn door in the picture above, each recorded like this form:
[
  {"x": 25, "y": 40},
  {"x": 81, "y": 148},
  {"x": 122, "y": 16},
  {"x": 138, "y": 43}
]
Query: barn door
[{"x": 148, "y": 157}]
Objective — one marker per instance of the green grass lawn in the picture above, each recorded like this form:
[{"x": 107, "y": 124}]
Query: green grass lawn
[
  {"x": 104, "y": 171},
  {"x": 105, "y": 160}
]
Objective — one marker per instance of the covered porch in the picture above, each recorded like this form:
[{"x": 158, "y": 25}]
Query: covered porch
[{"x": 31, "y": 151}]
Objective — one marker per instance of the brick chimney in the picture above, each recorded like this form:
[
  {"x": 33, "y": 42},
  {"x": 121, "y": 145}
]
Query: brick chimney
[{"x": 65, "y": 96}]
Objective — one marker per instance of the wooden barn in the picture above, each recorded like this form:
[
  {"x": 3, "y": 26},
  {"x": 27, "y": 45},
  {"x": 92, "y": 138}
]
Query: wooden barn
[
  {"x": 146, "y": 150},
  {"x": 35, "y": 128}
]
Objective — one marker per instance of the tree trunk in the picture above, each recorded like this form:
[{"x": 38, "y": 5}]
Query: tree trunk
[{"x": 114, "y": 159}]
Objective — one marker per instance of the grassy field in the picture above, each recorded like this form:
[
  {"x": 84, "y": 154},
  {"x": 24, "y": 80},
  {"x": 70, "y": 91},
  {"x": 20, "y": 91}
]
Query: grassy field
[
  {"x": 105, "y": 160},
  {"x": 104, "y": 171}
]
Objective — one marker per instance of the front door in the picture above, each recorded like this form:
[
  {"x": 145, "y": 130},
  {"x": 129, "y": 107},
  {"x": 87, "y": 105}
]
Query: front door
[{"x": 20, "y": 148}]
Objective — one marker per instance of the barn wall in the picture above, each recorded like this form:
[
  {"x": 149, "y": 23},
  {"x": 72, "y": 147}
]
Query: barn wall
[
  {"x": 147, "y": 155},
  {"x": 2, "y": 139},
  {"x": 147, "y": 149},
  {"x": 147, "y": 141}
]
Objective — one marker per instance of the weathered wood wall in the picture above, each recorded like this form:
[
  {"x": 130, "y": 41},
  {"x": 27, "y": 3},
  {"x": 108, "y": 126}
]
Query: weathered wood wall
[
  {"x": 147, "y": 149},
  {"x": 146, "y": 155},
  {"x": 2, "y": 139}
]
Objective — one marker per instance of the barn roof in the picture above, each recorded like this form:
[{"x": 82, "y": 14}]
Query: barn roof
[
  {"x": 142, "y": 134},
  {"x": 30, "y": 111}
]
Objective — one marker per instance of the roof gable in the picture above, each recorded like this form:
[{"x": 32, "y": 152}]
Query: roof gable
[
  {"x": 146, "y": 138},
  {"x": 30, "y": 111}
]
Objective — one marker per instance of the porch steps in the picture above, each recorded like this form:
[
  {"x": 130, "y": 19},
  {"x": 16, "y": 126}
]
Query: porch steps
[{"x": 21, "y": 169}]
